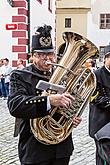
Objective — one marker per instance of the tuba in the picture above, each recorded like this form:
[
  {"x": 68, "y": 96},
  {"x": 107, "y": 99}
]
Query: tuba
[{"x": 77, "y": 80}]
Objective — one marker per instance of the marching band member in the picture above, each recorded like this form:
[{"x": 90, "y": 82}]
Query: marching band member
[
  {"x": 99, "y": 116},
  {"x": 25, "y": 102}
]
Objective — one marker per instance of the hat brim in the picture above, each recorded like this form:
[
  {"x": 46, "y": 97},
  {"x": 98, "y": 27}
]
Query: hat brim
[
  {"x": 107, "y": 55},
  {"x": 45, "y": 51}
]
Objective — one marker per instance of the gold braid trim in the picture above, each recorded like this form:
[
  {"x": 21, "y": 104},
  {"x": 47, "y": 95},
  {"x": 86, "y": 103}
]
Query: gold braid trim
[{"x": 93, "y": 97}]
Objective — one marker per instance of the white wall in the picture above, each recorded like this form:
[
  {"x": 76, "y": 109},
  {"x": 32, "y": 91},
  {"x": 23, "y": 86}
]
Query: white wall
[
  {"x": 100, "y": 37},
  {"x": 39, "y": 15},
  {"x": 6, "y": 13}
]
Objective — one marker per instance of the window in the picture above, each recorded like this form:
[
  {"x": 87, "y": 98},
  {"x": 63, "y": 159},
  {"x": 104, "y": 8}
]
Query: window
[
  {"x": 67, "y": 22},
  {"x": 101, "y": 53},
  {"x": 40, "y": 1},
  {"x": 50, "y": 5},
  {"x": 104, "y": 21}
]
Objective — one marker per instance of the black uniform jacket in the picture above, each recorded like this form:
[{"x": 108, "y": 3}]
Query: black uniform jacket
[
  {"x": 24, "y": 102},
  {"x": 99, "y": 114}
]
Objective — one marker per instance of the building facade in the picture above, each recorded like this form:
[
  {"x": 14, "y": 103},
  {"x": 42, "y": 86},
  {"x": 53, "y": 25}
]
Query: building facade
[
  {"x": 90, "y": 18},
  {"x": 98, "y": 29},
  {"x": 72, "y": 16},
  {"x": 19, "y": 19}
]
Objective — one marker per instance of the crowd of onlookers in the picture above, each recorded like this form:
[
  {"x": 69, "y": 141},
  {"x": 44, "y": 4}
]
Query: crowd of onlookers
[{"x": 5, "y": 71}]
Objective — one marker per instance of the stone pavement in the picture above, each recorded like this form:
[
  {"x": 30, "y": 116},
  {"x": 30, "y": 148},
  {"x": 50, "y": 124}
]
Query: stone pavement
[
  {"x": 84, "y": 148},
  {"x": 84, "y": 152}
]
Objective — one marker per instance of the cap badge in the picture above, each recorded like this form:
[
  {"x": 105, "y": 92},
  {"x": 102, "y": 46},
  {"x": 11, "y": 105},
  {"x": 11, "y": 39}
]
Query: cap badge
[{"x": 45, "y": 41}]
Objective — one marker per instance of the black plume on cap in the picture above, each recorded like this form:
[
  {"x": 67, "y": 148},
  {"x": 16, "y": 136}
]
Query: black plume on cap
[{"x": 42, "y": 41}]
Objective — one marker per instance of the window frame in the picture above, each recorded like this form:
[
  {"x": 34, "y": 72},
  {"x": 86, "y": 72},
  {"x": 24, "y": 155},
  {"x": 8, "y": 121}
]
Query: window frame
[
  {"x": 67, "y": 22},
  {"x": 103, "y": 21}
]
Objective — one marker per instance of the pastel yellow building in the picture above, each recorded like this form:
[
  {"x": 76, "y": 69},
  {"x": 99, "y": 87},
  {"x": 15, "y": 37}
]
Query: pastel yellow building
[{"x": 71, "y": 15}]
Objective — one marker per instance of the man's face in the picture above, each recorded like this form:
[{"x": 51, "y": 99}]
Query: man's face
[
  {"x": 40, "y": 60},
  {"x": 107, "y": 62},
  {"x": 5, "y": 62}
]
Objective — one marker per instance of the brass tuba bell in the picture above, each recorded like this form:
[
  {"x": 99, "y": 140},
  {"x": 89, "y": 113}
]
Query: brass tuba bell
[{"x": 77, "y": 80}]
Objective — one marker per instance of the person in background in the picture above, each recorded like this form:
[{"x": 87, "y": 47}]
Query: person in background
[
  {"x": 1, "y": 63},
  {"x": 5, "y": 71},
  {"x": 99, "y": 115},
  {"x": 90, "y": 63},
  {"x": 26, "y": 102},
  {"x": 20, "y": 64},
  {"x": 30, "y": 59}
]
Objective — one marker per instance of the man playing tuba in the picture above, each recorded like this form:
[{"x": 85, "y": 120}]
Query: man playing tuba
[{"x": 25, "y": 102}]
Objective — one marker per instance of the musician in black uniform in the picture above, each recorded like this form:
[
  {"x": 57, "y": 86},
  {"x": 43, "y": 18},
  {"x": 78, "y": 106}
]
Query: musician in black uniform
[
  {"x": 99, "y": 116},
  {"x": 25, "y": 102}
]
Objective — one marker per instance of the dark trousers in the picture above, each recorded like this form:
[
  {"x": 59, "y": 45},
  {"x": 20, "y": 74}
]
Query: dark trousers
[
  {"x": 7, "y": 88},
  {"x": 63, "y": 161},
  {"x": 0, "y": 89},
  {"x": 102, "y": 153},
  {"x": 4, "y": 88}
]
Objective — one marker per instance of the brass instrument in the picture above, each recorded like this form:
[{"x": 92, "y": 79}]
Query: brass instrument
[{"x": 77, "y": 80}]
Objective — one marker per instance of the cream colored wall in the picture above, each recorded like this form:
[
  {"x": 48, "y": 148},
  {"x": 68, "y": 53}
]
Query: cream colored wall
[
  {"x": 77, "y": 10},
  {"x": 73, "y": 3},
  {"x": 78, "y": 24}
]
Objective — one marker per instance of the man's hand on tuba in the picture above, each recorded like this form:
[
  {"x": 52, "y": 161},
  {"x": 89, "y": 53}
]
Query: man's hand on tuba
[
  {"x": 76, "y": 121},
  {"x": 63, "y": 100}
]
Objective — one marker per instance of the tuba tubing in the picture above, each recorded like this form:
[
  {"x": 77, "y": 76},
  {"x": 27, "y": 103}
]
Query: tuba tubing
[{"x": 79, "y": 81}]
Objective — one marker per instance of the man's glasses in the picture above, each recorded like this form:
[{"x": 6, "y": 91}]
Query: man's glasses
[{"x": 44, "y": 54}]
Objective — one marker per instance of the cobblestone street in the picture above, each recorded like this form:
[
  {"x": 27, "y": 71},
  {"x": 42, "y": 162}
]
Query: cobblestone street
[{"x": 84, "y": 146}]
